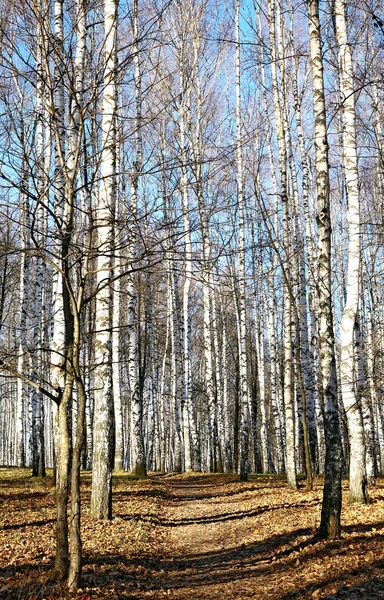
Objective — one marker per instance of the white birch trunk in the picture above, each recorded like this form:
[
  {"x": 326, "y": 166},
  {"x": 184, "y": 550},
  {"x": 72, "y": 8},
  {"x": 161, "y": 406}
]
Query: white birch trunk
[
  {"x": 331, "y": 508},
  {"x": 373, "y": 329},
  {"x": 176, "y": 370},
  {"x": 208, "y": 358},
  {"x": 243, "y": 367},
  {"x": 310, "y": 258},
  {"x": 138, "y": 459},
  {"x": 348, "y": 365},
  {"x": 222, "y": 432},
  {"x": 279, "y": 439},
  {"x": 116, "y": 385},
  {"x": 58, "y": 327},
  {"x": 101, "y": 498},
  {"x": 303, "y": 355},
  {"x": 228, "y": 460},
  {"x": 164, "y": 425},
  {"x": 151, "y": 376},
  {"x": 259, "y": 341},
  {"x": 207, "y": 289},
  {"x": 281, "y": 127},
  {"x": 187, "y": 342},
  {"x": 22, "y": 389},
  {"x": 364, "y": 379},
  {"x": 37, "y": 434}
]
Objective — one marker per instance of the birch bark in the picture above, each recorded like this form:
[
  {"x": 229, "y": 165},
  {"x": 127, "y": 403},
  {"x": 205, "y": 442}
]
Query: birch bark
[
  {"x": 208, "y": 318},
  {"x": 243, "y": 368},
  {"x": 228, "y": 460},
  {"x": 138, "y": 458},
  {"x": 349, "y": 366},
  {"x": 101, "y": 498},
  {"x": 281, "y": 127},
  {"x": 187, "y": 342},
  {"x": 38, "y": 227},
  {"x": 331, "y": 508},
  {"x": 118, "y": 411},
  {"x": 22, "y": 390}
]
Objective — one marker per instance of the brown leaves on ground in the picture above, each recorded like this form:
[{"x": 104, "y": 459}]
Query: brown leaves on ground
[
  {"x": 118, "y": 554},
  {"x": 193, "y": 536}
]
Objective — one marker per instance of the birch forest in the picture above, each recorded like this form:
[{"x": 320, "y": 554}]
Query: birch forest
[{"x": 191, "y": 252}]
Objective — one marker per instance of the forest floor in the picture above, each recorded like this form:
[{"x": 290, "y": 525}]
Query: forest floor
[{"x": 193, "y": 536}]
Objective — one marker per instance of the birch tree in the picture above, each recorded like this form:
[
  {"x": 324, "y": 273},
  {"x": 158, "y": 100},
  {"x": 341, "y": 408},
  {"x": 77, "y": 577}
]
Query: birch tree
[
  {"x": 281, "y": 127},
  {"x": 243, "y": 367},
  {"x": 331, "y": 507},
  {"x": 138, "y": 461},
  {"x": 348, "y": 328},
  {"x": 103, "y": 443},
  {"x": 22, "y": 389}
]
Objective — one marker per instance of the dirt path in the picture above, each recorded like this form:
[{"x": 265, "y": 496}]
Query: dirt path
[
  {"x": 256, "y": 540},
  {"x": 214, "y": 525},
  {"x": 192, "y": 537},
  {"x": 208, "y": 524}
]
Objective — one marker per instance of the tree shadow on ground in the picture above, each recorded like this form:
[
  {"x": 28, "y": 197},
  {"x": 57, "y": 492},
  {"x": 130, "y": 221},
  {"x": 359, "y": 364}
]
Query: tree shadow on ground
[
  {"x": 24, "y": 497},
  {"x": 232, "y": 516},
  {"x": 28, "y": 524},
  {"x": 244, "y": 566},
  {"x": 26, "y": 581},
  {"x": 369, "y": 587},
  {"x": 247, "y": 567},
  {"x": 155, "y": 493},
  {"x": 183, "y": 492}
]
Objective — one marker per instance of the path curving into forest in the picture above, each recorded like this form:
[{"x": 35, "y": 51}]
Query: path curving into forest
[{"x": 215, "y": 541}]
